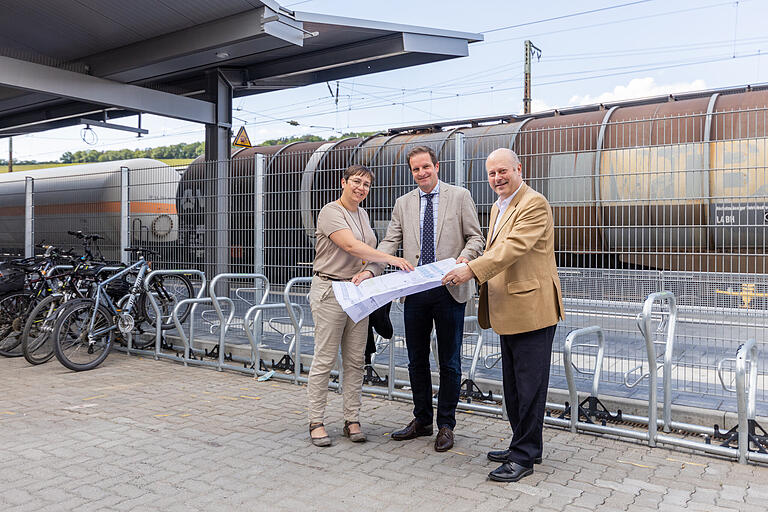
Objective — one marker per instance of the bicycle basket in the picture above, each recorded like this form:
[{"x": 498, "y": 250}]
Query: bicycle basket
[{"x": 11, "y": 279}]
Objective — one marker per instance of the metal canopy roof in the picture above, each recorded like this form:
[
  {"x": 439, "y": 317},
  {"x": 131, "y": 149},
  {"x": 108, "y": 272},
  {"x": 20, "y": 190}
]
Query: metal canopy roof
[{"x": 63, "y": 60}]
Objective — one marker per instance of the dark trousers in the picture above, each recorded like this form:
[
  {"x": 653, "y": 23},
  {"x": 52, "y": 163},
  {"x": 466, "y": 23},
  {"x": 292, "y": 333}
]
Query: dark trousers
[
  {"x": 422, "y": 310},
  {"x": 525, "y": 360}
]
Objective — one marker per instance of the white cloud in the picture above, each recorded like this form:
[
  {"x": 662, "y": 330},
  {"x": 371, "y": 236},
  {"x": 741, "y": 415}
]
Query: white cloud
[
  {"x": 638, "y": 88},
  {"x": 540, "y": 106}
]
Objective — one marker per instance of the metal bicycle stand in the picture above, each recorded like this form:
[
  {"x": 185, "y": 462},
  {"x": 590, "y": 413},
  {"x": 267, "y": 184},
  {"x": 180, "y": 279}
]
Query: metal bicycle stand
[
  {"x": 215, "y": 301},
  {"x": 297, "y": 324},
  {"x": 157, "y": 353},
  {"x": 595, "y": 408}
]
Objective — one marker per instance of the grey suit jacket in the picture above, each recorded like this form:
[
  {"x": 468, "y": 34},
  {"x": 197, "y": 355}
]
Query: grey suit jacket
[{"x": 458, "y": 232}]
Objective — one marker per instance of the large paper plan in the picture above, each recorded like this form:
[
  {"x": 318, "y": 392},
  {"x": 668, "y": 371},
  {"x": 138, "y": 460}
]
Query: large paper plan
[{"x": 360, "y": 301}]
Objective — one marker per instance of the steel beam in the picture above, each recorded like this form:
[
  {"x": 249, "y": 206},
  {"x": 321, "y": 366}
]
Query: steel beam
[
  {"x": 217, "y": 144},
  {"x": 111, "y": 126},
  {"x": 28, "y": 76},
  {"x": 52, "y": 115},
  {"x": 372, "y": 56},
  {"x": 201, "y": 46}
]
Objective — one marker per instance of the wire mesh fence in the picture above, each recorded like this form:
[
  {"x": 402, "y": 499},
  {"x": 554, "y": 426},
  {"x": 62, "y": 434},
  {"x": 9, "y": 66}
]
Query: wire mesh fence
[{"x": 640, "y": 205}]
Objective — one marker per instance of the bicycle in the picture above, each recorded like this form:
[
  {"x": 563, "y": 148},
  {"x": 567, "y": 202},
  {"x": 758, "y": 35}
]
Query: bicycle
[
  {"x": 36, "y": 343},
  {"x": 38, "y": 282},
  {"x": 86, "y": 328}
]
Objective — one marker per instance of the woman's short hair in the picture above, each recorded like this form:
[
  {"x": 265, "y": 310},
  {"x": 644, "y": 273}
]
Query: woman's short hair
[{"x": 358, "y": 170}]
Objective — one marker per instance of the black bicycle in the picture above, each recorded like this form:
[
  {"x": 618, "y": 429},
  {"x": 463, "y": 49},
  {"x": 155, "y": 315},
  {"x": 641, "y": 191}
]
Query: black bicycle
[
  {"x": 79, "y": 282},
  {"x": 38, "y": 282}
]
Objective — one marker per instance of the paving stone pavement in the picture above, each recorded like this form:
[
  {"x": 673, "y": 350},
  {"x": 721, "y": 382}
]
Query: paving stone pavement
[{"x": 142, "y": 435}]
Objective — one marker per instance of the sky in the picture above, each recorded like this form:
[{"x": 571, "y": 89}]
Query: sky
[{"x": 591, "y": 51}]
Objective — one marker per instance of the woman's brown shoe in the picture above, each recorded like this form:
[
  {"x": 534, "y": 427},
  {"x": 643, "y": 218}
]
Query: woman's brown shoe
[
  {"x": 355, "y": 437},
  {"x": 319, "y": 441}
]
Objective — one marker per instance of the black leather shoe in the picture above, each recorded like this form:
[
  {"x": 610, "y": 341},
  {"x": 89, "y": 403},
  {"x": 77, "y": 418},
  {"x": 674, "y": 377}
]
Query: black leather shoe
[
  {"x": 509, "y": 472},
  {"x": 444, "y": 439},
  {"x": 411, "y": 431},
  {"x": 503, "y": 456}
]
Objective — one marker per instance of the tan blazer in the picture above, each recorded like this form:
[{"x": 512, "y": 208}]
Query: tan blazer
[
  {"x": 458, "y": 231},
  {"x": 519, "y": 287}
]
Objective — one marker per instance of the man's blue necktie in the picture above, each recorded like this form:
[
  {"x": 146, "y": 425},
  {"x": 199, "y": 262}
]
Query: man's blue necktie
[{"x": 428, "y": 234}]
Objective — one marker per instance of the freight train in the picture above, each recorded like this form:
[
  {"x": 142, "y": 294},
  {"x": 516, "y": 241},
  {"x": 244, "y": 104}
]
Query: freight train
[
  {"x": 87, "y": 197},
  {"x": 665, "y": 184}
]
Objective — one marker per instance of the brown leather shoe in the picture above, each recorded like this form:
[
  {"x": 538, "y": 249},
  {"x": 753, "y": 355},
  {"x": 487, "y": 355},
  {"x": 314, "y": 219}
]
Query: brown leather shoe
[
  {"x": 411, "y": 431},
  {"x": 444, "y": 439}
]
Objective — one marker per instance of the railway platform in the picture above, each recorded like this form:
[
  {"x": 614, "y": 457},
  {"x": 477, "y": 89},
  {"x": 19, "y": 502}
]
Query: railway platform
[{"x": 137, "y": 434}]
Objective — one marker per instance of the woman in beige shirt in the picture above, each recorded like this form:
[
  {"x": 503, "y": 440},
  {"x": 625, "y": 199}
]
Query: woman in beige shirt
[{"x": 344, "y": 243}]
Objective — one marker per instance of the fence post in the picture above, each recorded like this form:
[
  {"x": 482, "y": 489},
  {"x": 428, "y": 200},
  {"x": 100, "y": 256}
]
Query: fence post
[
  {"x": 258, "y": 214},
  {"x": 221, "y": 236},
  {"x": 29, "y": 217},
  {"x": 258, "y": 235},
  {"x": 459, "y": 155},
  {"x": 124, "y": 215}
]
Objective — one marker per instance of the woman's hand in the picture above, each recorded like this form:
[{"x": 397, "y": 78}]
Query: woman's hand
[
  {"x": 400, "y": 263},
  {"x": 361, "y": 276}
]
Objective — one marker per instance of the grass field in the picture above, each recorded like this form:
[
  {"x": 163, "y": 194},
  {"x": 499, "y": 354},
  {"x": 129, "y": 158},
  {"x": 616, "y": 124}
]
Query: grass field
[{"x": 30, "y": 167}]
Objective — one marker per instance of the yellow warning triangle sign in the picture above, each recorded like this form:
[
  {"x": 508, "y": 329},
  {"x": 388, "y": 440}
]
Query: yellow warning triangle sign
[{"x": 242, "y": 139}]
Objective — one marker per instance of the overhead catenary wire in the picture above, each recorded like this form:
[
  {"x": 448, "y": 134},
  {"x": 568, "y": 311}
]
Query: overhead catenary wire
[
  {"x": 492, "y": 80},
  {"x": 565, "y": 16},
  {"x": 435, "y": 93},
  {"x": 517, "y": 87},
  {"x": 383, "y": 101},
  {"x": 613, "y": 22}
]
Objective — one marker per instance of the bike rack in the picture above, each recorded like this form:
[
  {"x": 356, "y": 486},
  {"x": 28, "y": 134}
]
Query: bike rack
[
  {"x": 644, "y": 324},
  {"x": 256, "y": 311},
  {"x": 595, "y": 408},
  {"x": 470, "y": 390},
  {"x": 297, "y": 324},
  {"x": 224, "y": 325},
  {"x": 370, "y": 375},
  {"x": 745, "y": 431},
  {"x": 746, "y": 395},
  {"x": 109, "y": 269},
  {"x": 51, "y": 272},
  {"x": 157, "y": 353}
]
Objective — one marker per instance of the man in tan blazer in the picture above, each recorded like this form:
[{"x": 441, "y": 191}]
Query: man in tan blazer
[
  {"x": 520, "y": 299},
  {"x": 433, "y": 222}
]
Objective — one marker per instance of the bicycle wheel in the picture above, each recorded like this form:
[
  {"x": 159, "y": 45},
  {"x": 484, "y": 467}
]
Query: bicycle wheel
[
  {"x": 36, "y": 339},
  {"x": 168, "y": 291},
  {"x": 13, "y": 313},
  {"x": 71, "y": 342}
]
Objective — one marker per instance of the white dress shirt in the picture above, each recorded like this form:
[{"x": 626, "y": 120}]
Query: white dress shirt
[
  {"x": 502, "y": 205},
  {"x": 423, "y": 208}
]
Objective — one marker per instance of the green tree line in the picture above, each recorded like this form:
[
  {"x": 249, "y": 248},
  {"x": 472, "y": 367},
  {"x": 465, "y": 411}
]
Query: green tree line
[
  {"x": 179, "y": 151},
  {"x": 182, "y": 150},
  {"x": 312, "y": 138}
]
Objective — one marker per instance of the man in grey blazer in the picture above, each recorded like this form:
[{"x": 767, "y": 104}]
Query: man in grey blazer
[{"x": 433, "y": 222}]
